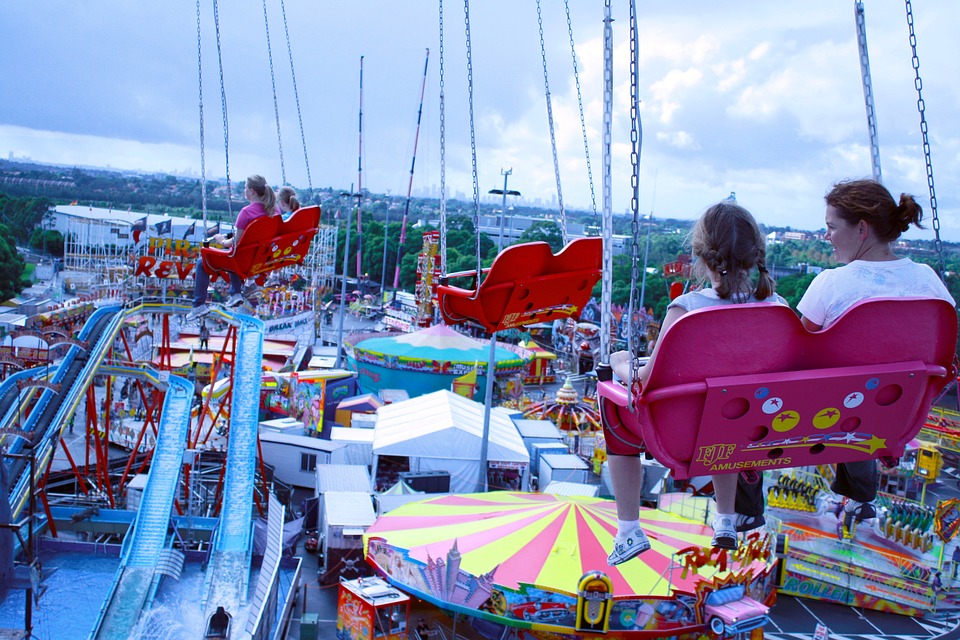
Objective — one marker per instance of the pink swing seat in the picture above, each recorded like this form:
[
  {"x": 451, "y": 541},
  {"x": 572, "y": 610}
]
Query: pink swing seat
[
  {"x": 526, "y": 284},
  {"x": 748, "y": 388}
]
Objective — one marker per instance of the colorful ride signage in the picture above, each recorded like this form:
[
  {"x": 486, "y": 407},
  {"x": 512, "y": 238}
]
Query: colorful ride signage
[{"x": 168, "y": 258}]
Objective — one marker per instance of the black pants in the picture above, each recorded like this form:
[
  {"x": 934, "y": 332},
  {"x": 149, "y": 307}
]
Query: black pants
[{"x": 856, "y": 480}]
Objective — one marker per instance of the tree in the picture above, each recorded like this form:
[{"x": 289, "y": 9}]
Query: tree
[
  {"x": 546, "y": 231},
  {"x": 11, "y": 265}
]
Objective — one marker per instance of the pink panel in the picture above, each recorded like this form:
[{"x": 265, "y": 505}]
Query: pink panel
[{"x": 702, "y": 409}]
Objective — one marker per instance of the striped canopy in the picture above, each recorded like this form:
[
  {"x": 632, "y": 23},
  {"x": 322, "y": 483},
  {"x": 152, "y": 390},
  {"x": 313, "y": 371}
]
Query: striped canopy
[{"x": 545, "y": 541}]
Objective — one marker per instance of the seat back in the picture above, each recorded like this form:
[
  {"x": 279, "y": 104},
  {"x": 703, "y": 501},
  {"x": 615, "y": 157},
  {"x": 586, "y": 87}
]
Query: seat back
[
  {"x": 527, "y": 284},
  {"x": 747, "y": 387},
  {"x": 268, "y": 243}
]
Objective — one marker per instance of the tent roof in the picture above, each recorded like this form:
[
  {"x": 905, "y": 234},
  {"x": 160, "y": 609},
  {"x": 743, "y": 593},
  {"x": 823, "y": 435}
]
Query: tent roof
[
  {"x": 445, "y": 425},
  {"x": 439, "y": 343}
]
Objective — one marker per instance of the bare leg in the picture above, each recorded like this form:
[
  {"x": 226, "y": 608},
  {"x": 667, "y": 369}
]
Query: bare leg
[
  {"x": 626, "y": 473},
  {"x": 725, "y": 492}
]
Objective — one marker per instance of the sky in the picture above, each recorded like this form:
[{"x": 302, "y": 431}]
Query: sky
[{"x": 758, "y": 98}]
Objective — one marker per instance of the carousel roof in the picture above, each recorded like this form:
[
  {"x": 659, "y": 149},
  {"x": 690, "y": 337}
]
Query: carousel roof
[{"x": 438, "y": 343}]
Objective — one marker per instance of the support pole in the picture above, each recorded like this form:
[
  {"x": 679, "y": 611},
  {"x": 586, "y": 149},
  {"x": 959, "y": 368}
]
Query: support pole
[{"x": 487, "y": 405}]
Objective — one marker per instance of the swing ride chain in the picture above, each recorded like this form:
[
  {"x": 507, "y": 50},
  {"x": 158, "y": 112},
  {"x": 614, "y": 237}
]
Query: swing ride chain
[
  {"x": 443, "y": 157},
  {"x": 553, "y": 136},
  {"x": 583, "y": 123},
  {"x": 296, "y": 96},
  {"x": 273, "y": 84},
  {"x": 223, "y": 104},
  {"x": 203, "y": 160},
  {"x": 635, "y": 141},
  {"x": 918, "y": 82},
  {"x": 606, "y": 227},
  {"x": 473, "y": 137},
  {"x": 868, "y": 91}
]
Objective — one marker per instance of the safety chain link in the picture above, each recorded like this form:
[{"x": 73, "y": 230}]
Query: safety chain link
[
  {"x": 273, "y": 84},
  {"x": 443, "y": 159},
  {"x": 473, "y": 137},
  {"x": 223, "y": 105},
  {"x": 296, "y": 97},
  {"x": 606, "y": 230},
  {"x": 203, "y": 159},
  {"x": 868, "y": 91},
  {"x": 583, "y": 122},
  {"x": 636, "y": 138},
  {"x": 918, "y": 82},
  {"x": 553, "y": 137}
]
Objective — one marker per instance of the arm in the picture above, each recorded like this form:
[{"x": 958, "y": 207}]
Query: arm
[{"x": 809, "y": 325}]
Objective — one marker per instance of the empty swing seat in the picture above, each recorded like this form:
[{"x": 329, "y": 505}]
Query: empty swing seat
[
  {"x": 527, "y": 283},
  {"x": 267, "y": 244},
  {"x": 746, "y": 387}
]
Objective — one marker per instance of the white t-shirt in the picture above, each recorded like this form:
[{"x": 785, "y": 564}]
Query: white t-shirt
[
  {"x": 835, "y": 290},
  {"x": 707, "y": 297}
]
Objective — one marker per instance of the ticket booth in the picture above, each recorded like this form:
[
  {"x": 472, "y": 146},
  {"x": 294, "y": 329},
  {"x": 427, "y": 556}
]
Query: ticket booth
[{"x": 369, "y": 608}]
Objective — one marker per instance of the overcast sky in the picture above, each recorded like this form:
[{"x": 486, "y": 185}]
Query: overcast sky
[{"x": 761, "y": 98}]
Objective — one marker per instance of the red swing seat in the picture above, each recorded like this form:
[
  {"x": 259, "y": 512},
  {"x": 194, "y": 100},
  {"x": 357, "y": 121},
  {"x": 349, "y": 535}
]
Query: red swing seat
[
  {"x": 746, "y": 387},
  {"x": 267, "y": 244},
  {"x": 527, "y": 283}
]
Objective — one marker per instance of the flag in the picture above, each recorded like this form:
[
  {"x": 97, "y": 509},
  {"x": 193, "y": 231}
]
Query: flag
[
  {"x": 163, "y": 227},
  {"x": 212, "y": 231},
  {"x": 192, "y": 229},
  {"x": 73, "y": 203},
  {"x": 139, "y": 227}
]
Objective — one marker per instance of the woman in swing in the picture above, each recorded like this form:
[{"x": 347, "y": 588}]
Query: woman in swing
[
  {"x": 263, "y": 202},
  {"x": 728, "y": 246},
  {"x": 862, "y": 221}
]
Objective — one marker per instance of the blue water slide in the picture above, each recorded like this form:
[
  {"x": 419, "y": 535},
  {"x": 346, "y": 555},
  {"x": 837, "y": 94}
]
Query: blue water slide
[
  {"x": 228, "y": 572},
  {"x": 51, "y": 412},
  {"x": 144, "y": 544}
]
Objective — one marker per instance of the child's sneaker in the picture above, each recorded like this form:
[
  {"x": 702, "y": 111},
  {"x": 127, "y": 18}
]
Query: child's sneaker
[
  {"x": 725, "y": 531},
  {"x": 197, "y": 312},
  {"x": 235, "y": 300},
  {"x": 630, "y": 546}
]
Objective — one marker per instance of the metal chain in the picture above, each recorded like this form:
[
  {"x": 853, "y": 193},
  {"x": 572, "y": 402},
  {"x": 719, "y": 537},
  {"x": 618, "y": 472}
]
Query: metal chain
[
  {"x": 606, "y": 291},
  {"x": 583, "y": 122},
  {"x": 443, "y": 160},
  {"x": 553, "y": 137},
  {"x": 918, "y": 82},
  {"x": 223, "y": 106},
  {"x": 473, "y": 138},
  {"x": 636, "y": 138},
  {"x": 296, "y": 97},
  {"x": 868, "y": 90},
  {"x": 203, "y": 159},
  {"x": 273, "y": 85}
]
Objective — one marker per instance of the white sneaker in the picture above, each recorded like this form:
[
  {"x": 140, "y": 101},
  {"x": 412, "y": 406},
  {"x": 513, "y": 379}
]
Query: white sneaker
[
  {"x": 235, "y": 300},
  {"x": 725, "y": 531},
  {"x": 197, "y": 312},
  {"x": 630, "y": 546}
]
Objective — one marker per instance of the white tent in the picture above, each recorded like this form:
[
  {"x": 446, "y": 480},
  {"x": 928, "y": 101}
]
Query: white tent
[{"x": 442, "y": 431}]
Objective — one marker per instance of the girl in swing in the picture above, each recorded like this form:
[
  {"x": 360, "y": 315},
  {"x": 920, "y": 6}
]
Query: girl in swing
[{"x": 727, "y": 245}]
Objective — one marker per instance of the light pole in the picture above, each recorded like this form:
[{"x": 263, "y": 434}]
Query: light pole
[
  {"x": 503, "y": 207},
  {"x": 343, "y": 285}
]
